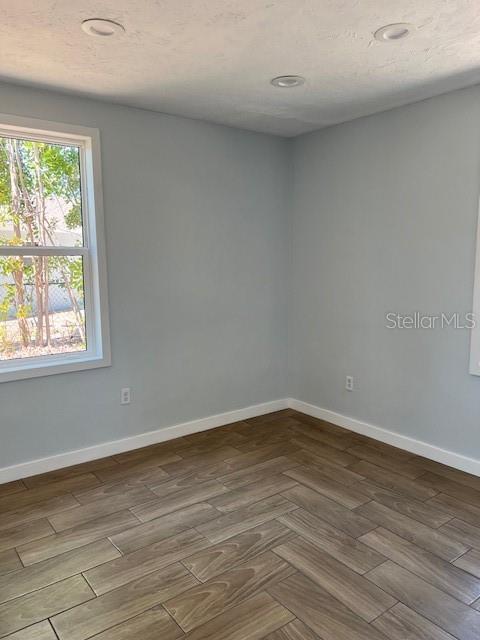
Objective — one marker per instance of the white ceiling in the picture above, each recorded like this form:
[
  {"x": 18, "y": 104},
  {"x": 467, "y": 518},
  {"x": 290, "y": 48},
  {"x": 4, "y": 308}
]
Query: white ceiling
[{"x": 213, "y": 59}]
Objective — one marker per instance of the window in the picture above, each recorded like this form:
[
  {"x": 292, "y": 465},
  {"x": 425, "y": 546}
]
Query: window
[{"x": 53, "y": 298}]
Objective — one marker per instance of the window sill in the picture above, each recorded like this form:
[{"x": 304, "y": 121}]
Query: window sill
[{"x": 52, "y": 366}]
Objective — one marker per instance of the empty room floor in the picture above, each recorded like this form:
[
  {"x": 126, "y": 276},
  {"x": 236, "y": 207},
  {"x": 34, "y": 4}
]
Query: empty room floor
[{"x": 281, "y": 527}]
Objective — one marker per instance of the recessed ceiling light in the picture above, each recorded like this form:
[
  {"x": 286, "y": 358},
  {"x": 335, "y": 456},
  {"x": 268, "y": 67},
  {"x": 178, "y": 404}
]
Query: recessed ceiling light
[
  {"x": 393, "y": 32},
  {"x": 102, "y": 28},
  {"x": 288, "y": 82}
]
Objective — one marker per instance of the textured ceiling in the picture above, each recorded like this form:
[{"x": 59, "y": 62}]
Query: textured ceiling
[{"x": 213, "y": 59}]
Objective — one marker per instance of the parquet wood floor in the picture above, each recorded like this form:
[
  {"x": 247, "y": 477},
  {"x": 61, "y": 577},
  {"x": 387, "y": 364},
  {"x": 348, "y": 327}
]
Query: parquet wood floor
[{"x": 282, "y": 527}]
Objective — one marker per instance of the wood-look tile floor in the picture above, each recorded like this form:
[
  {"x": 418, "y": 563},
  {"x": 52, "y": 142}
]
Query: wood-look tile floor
[{"x": 282, "y": 527}]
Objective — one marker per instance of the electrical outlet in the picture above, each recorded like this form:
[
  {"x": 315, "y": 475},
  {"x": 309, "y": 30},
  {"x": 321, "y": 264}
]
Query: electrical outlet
[
  {"x": 349, "y": 383},
  {"x": 125, "y": 396}
]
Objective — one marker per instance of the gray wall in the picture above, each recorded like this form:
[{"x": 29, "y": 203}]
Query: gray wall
[
  {"x": 384, "y": 219},
  {"x": 196, "y": 230},
  {"x": 205, "y": 249}
]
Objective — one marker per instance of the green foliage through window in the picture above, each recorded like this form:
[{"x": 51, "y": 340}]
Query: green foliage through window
[{"x": 41, "y": 297}]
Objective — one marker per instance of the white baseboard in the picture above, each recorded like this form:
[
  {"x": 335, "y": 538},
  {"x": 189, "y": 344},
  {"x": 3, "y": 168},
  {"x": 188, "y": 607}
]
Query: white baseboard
[
  {"x": 51, "y": 463},
  {"x": 456, "y": 460},
  {"x": 42, "y": 465}
]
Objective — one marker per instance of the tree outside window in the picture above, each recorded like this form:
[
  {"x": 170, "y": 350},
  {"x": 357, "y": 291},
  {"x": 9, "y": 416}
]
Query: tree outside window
[{"x": 42, "y": 307}]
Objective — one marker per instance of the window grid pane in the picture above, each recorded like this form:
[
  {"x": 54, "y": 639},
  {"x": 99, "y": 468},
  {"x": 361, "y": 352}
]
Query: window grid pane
[
  {"x": 40, "y": 194},
  {"x": 42, "y": 306}
]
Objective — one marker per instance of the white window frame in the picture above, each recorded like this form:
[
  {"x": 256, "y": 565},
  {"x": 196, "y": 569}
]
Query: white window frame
[
  {"x": 98, "y": 353},
  {"x": 475, "y": 333}
]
